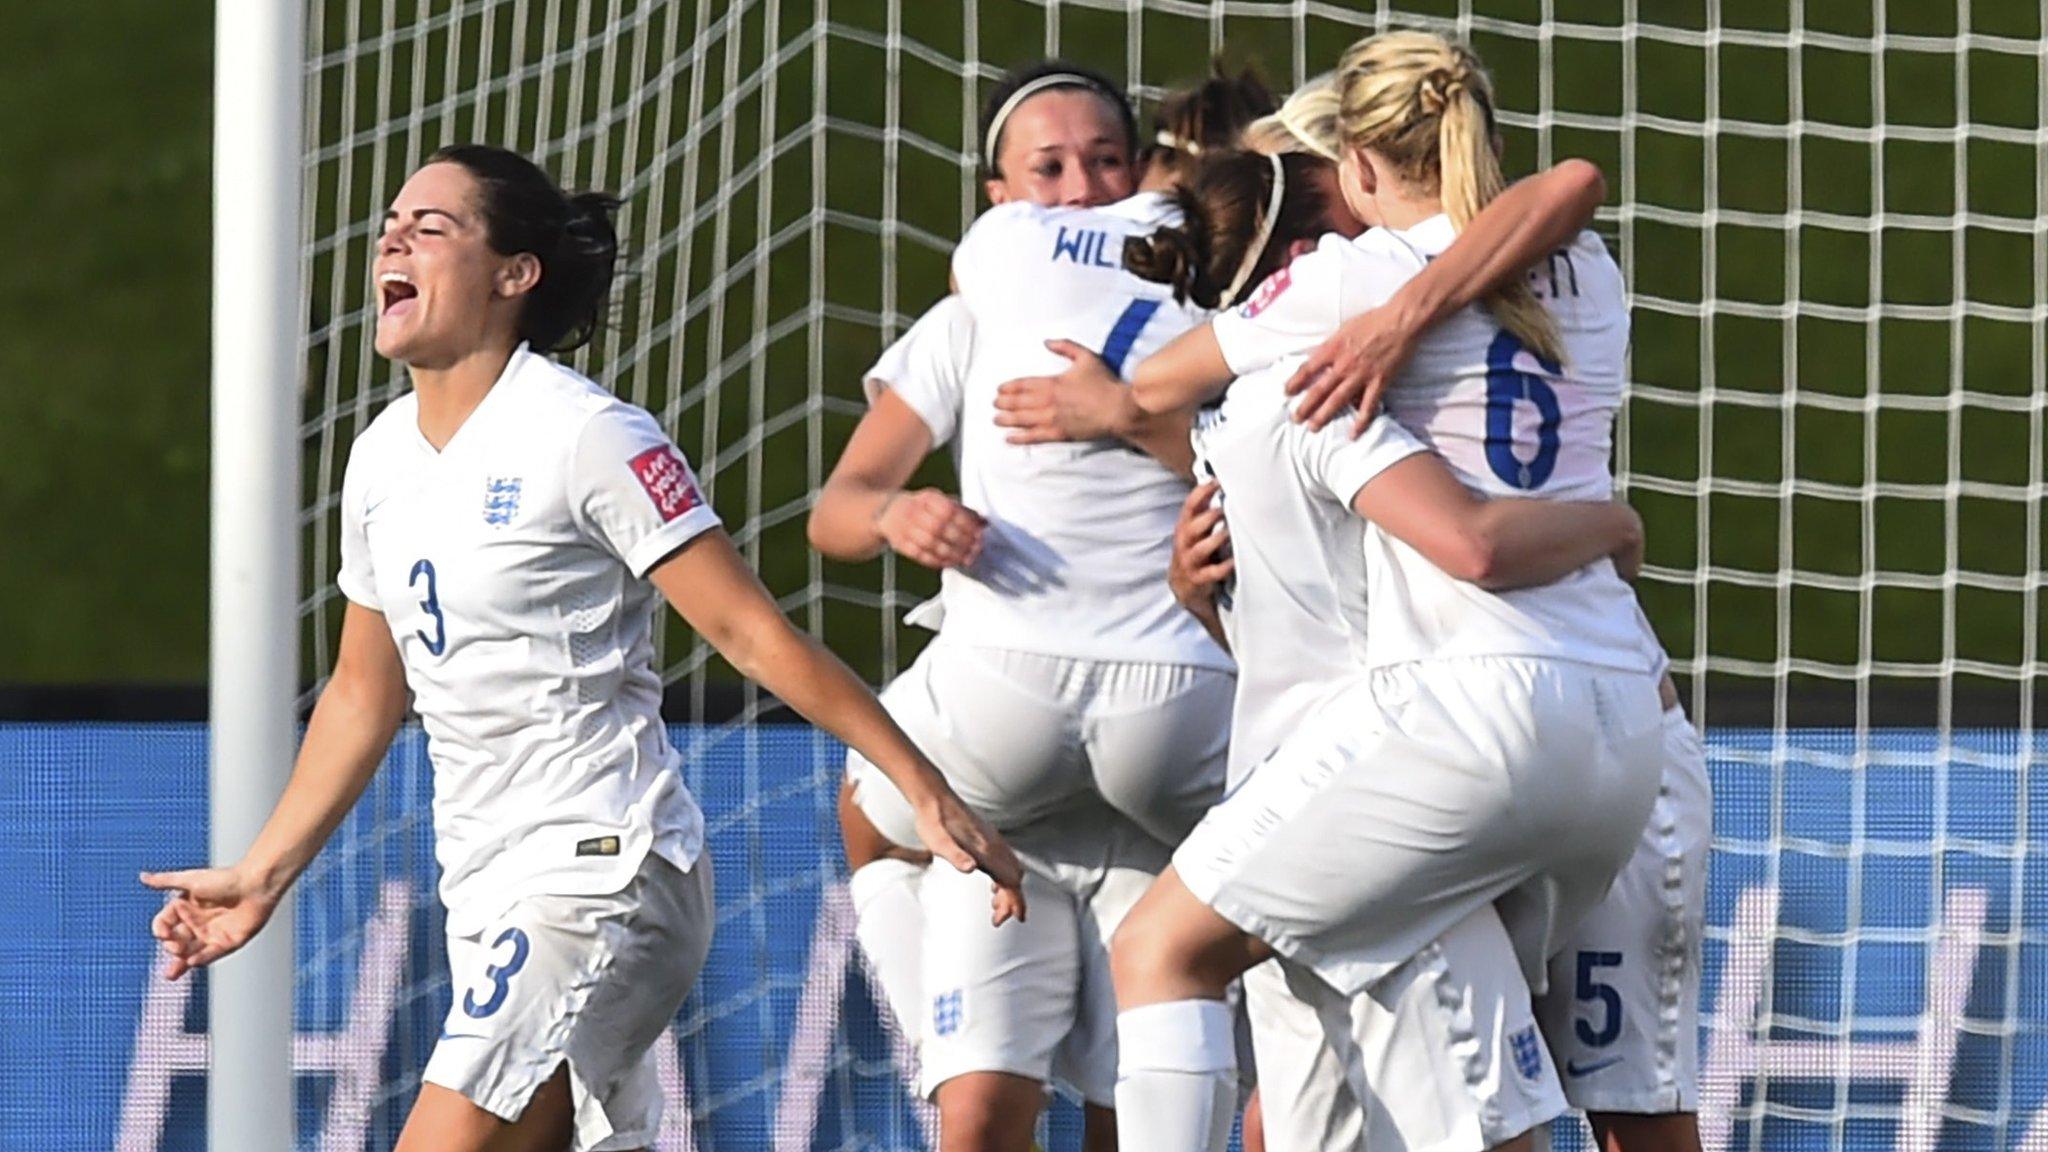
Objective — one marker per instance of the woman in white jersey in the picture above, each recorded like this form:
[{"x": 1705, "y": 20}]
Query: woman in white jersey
[
  {"x": 1295, "y": 618},
  {"x": 1063, "y": 676},
  {"x": 509, "y": 529},
  {"x": 1621, "y": 1013},
  {"x": 1430, "y": 843}
]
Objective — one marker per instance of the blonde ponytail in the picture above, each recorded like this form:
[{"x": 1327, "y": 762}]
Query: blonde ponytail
[{"x": 1426, "y": 106}]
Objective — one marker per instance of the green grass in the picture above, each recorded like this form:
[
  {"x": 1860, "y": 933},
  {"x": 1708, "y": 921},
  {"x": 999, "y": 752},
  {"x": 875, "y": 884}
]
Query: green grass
[{"x": 103, "y": 437}]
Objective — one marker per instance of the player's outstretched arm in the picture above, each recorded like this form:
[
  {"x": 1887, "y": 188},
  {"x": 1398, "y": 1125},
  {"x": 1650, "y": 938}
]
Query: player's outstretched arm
[
  {"x": 1535, "y": 217},
  {"x": 1090, "y": 402},
  {"x": 864, "y": 507},
  {"x": 1496, "y": 544},
  {"x": 711, "y": 586},
  {"x": 213, "y": 911},
  {"x": 1187, "y": 373}
]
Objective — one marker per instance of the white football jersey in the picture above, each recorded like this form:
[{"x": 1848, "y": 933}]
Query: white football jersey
[
  {"x": 1507, "y": 425},
  {"x": 927, "y": 369},
  {"x": 1297, "y": 602},
  {"x": 509, "y": 566},
  {"x": 1074, "y": 561}
]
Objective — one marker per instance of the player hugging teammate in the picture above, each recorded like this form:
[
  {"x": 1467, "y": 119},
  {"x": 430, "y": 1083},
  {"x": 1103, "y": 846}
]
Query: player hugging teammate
[{"x": 1441, "y": 943}]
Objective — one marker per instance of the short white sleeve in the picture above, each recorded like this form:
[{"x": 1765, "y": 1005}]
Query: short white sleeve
[
  {"x": 1298, "y": 307},
  {"x": 1335, "y": 463},
  {"x": 632, "y": 490},
  {"x": 996, "y": 244},
  {"x": 357, "y": 580},
  {"x": 927, "y": 367},
  {"x": 1290, "y": 312}
]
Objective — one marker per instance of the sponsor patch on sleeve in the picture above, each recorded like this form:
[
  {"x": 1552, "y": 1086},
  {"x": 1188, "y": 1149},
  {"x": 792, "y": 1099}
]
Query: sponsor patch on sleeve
[
  {"x": 1268, "y": 291},
  {"x": 666, "y": 478}
]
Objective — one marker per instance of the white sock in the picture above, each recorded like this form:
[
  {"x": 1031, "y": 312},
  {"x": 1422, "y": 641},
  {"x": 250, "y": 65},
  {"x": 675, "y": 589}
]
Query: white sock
[
  {"x": 1176, "y": 1082},
  {"x": 889, "y": 923}
]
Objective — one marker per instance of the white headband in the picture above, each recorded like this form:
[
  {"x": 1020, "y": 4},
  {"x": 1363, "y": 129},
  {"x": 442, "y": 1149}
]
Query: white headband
[
  {"x": 1265, "y": 236},
  {"x": 1287, "y": 121},
  {"x": 1026, "y": 92},
  {"x": 1166, "y": 139}
]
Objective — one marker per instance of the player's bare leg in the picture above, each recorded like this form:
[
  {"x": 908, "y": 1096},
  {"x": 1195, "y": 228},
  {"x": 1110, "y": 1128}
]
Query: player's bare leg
[
  {"x": 443, "y": 1120},
  {"x": 988, "y": 1112},
  {"x": 1627, "y": 1132},
  {"x": 1172, "y": 959},
  {"x": 1098, "y": 1128}
]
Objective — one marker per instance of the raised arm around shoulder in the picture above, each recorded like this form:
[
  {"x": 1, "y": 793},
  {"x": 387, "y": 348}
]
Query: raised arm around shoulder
[
  {"x": 1523, "y": 225},
  {"x": 1497, "y": 544},
  {"x": 708, "y": 583},
  {"x": 1185, "y": 374},
  {"x": 1533, "y": 218}
]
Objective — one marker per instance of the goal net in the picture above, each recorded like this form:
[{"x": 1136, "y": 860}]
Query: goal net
[{"x": 1831, "y": 219}]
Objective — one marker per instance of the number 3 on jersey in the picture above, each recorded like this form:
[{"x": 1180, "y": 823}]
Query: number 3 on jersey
[
  {"x": 430, "y": 603},
  {"x": 1507, "y": 386}
]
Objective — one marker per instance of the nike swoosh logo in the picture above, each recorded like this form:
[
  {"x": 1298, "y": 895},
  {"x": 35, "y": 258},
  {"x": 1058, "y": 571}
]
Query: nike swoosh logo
[{"x": 1574, "y": 1068}]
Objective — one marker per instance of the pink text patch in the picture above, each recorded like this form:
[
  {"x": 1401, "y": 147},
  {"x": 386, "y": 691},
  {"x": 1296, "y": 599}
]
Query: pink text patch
[{"x": 667, "y": 479}]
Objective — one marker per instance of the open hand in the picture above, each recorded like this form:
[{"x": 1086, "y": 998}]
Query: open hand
[
  {"x": 932, "y": 528},
  {"x": 953, "y": 833},
  {"x": 1085, "y": 402},
  {"x": 210, "y": 913},
  {"x": 1353, "y": 367}
]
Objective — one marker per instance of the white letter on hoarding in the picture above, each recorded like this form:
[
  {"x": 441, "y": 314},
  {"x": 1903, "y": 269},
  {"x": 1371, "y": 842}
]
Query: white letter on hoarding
[
  {"x": 354, "y": 1055},
  {"x": 1739, "y": 1047}
]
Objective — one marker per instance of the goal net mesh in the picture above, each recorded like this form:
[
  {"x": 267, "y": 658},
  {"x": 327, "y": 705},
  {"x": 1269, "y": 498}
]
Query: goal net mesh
[{"x": 1831, "y": 220}]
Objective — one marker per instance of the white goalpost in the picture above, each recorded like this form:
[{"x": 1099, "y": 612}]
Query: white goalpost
[
  {"x": 1834, "y": 220},
  {"x": 253, "y": 655}
]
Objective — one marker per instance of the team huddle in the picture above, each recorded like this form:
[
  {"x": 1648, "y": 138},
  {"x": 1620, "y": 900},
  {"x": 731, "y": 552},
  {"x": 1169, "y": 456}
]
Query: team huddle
[{"x": 1291, "y": 744}]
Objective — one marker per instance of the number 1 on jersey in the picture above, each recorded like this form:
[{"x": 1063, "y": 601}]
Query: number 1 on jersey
[
  {"x": 1123, "y": 335},
  {"x": 1506, "y": 386},
  {"x": 431, "y": 605}
]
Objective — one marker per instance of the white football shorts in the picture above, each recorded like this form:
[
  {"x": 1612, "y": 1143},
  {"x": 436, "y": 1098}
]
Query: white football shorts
[
  {"x": 1443, "y": 1051},
  {"x": 1304, "y": 1096},
  {"x": 1622, "y": 1012},
  {"x": 1425, "y": 791},
  {"x": 588, "y": 980},
  {"x": 1429, "y": 830},
  {"x": 1022, "y": 736},
  {"x": 1034, "y": 999}
]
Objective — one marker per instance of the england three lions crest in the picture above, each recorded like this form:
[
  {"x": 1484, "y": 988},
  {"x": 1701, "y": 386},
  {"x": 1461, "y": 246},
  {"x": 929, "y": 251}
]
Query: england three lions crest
[{"x": 501, "y": 500}]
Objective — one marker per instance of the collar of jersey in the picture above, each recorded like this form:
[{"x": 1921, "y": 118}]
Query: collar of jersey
[{"x": 512, "y": 367}]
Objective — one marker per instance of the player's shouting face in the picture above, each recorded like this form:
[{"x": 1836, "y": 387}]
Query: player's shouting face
[{"x": 439, "y": 287}]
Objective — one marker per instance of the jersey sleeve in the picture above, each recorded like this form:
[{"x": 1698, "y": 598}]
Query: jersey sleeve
[
  {"x": 1340, "y": 466},
  {"x": 1290, "y": 312},
  {"x": 632, "y": 490},
  {"x": 357, "y": 580},
  {"x": 987, "y": 258},
  {"x": 927, "y": 367}
]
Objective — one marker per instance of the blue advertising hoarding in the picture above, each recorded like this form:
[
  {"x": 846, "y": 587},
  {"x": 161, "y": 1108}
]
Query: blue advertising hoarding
[{"x": 1876, "y": 965}]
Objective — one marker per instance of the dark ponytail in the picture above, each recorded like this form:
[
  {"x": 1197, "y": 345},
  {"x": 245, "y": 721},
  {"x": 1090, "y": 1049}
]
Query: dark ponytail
[
  {"x": 1176, "y": 254},
  {"x": 572, "y": 235},
  {"x": 1223, "y": 210}
]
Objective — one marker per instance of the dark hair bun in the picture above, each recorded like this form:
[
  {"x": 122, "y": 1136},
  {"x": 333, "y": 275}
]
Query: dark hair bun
[{"x": 572, "y": 236}]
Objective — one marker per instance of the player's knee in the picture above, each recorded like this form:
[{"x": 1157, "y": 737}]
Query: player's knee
[
  {"x": 1147, "y": 953},
  {"x": 988, "y": 1112}
]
